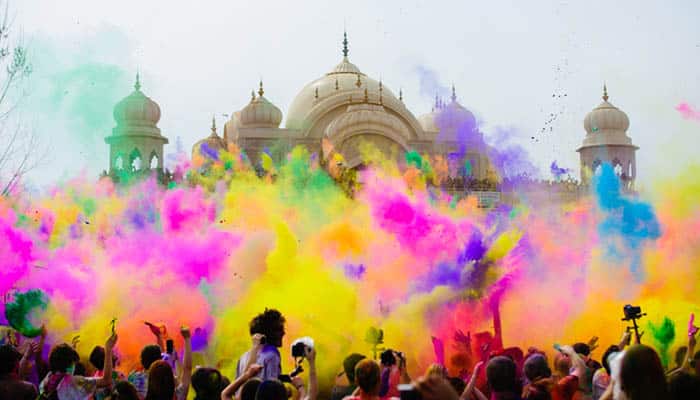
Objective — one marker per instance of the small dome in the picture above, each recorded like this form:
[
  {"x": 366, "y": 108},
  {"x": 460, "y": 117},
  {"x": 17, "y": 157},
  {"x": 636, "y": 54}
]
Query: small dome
[
  {"x": 137, "y": 109},
  {"x": 606, "y": 117},
  {"x": 345, "y": 67},
  {"x": 213, "y": 141},
  {"x": 448, "y": 117},
  {"x": 260, "y": 113}
]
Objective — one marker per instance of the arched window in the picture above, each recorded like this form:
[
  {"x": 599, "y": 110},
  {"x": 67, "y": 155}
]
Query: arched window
[
  {"x": 617, "y": 167},
  {"x": 596, "y": 167},
  {"x": 135, "y": 162},
  {"x": 154, "y": 161},
  {"x": 119, "y": 163},
  {"x": 629, "y": 169}
]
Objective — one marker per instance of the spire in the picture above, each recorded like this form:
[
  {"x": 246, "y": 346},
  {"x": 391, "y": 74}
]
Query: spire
[
  {"x": 437, "y": 103},
  {"x": 316, "y": 93},
  {"x": 137, "y": 85},
  {"x": 252, "y": 95},
  {"x": 401, "y": 94},
  {"x": 605, "y": 92},
  {"x": 213, "y": 125},
  {"x": 381, "y": 89},
  {"x": 366, "y": 96},
  {"x": 345, "y": 44},
  {"x": 358, "y": 83},
  {"x": 336, "y": 84},
  {"x": 454, "y": 94},
  {"x": 261, "y": 91}
]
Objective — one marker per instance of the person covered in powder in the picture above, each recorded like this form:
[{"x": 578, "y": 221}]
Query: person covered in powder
[{"x": 267, "y": 331}]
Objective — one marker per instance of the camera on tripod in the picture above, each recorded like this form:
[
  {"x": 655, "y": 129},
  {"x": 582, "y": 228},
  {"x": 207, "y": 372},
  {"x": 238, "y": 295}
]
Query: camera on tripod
[{"x": 632, "y": 312}]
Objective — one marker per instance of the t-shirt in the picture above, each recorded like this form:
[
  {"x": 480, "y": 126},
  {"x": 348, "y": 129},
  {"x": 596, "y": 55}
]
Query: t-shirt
[
  {"x": 140, "y": 381},
  {"x": 565, "y": 388},
  {"x": 17, "y": 389},
  {"x": 615, "y": 361},
  {"x": 268, "y": 358},
  {"x": 71, "y": 387},
  {"x": 601, "y": 381}
]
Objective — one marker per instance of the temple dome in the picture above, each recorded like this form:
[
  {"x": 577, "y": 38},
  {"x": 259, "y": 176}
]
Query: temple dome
[
  {"x": 606, "y": 117},
  {"x": 363, "y": 115},
  {"x": 260, "y": 113},
  {"x": 213, "y": 141},
  {"x": 344, "y": 79},
  {"x": 137, "y": 109}
]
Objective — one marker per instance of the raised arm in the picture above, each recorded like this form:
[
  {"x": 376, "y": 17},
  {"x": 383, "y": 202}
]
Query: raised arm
[
  {"x": 186, "y": 377},
  {"x": 230, "y": 391},
  {"x": 692, "y": 341},
  {"x": 313, "y": 378},
  {"x": 577, "y": 362},
  {"x": 467, "y": 393},
  {"x": 106, "y": 379}
]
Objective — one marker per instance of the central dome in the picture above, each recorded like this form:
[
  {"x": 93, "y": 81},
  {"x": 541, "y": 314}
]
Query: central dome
[{"x": 344, "y": 79}]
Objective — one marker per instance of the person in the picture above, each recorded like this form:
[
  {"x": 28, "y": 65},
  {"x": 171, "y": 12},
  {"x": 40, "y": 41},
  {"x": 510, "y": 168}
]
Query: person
[
  {"x": 368, "y": 380},
  {"x": 601, "y": 378},
  {"x": 162, "y": 384},
  {"x": 539, "y": 375},
  {"x": 501, "y": 376},
  {"x": 123, "y": 390},
  {"x": 97, "y": 360},
  {"x": 11, "y": 385},
  {"x": 207, "y": 384},
  {"x": 271, "y": 389},
  {"x": 61, "y": 384},
  {"x": 139, "y": 378},
  {"x": 642, "y": 375},
  {"x": 267, "y": 331},
  {"x": 586, "y": 380},
  {"x": 394, "y": 372},
  {"x": 341, "y": 390},
  {"x": 683, "y": 385}
]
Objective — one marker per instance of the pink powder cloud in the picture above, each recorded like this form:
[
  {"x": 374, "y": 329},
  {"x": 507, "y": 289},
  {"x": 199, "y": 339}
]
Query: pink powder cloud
[{"x": 688, "y": 112}]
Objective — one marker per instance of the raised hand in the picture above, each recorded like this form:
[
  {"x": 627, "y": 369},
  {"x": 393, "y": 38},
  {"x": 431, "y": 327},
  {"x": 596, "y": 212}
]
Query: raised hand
[{"x": 185, "y": 332}]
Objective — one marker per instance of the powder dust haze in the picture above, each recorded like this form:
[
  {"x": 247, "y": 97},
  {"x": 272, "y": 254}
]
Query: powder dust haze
[{"x": 398, "y": 256}]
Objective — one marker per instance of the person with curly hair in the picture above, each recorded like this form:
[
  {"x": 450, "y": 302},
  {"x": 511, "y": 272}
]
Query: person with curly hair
[{"x": 267, "y": 331}]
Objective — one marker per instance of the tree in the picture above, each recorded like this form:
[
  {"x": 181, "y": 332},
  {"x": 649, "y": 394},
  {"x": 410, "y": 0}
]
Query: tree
[{"x": 18, "y": 145}]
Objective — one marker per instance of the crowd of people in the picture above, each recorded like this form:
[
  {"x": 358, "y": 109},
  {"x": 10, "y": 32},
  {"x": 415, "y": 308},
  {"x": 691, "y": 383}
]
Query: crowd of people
[{"x": 625, "y": 372}]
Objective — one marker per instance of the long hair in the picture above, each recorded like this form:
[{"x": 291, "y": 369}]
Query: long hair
[
  {"x": 161, "y": 382},
  {"x": 642, "y": 375}
]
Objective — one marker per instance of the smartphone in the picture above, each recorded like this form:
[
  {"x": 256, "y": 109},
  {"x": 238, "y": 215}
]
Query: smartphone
[
  {"x": 169, "y": 346},
  {"x": 408, "y": 392}
]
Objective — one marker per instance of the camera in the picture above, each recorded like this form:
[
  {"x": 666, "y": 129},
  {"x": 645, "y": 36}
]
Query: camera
[
  {"x": 300, "y": 345},
  {"x": 388, "y": 357},
  {"x": 409, "y": 392},
  {"x": 632, "y": 312}
]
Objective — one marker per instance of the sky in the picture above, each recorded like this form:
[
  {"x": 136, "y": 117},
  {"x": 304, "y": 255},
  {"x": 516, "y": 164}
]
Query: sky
[{"x": 520, "y": 66}]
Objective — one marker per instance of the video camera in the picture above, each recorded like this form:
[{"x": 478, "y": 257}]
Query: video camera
[
  {"x": 632, "y": 312},
  {"x": 299, "y": 350},
  {"x": 388, "y": 357}
]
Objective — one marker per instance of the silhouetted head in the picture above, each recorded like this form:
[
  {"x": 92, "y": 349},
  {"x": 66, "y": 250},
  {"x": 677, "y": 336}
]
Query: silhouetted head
[
  {"x": 9, "y": 359},
  {"x": 271, "y": 390},
  {"x": 367, "y": 376},
  {"x": 62, "y": 357},
  {"x": 349, "y": 365},
  {"x": 149, "y": 355},
  {"x": 642, "y": 375},
  {"x": 271, "y": 324},
  {"x": 501, "y": 374},
  {"x": 207, "y": 384},
  {"x": 161, "y": 381}
]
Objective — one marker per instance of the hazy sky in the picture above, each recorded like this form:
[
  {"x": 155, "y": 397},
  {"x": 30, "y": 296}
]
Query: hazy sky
[{"x": 511, "y": 61}]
